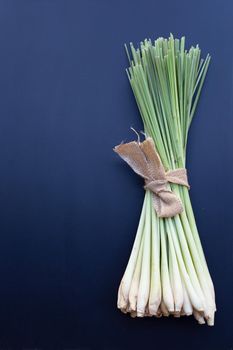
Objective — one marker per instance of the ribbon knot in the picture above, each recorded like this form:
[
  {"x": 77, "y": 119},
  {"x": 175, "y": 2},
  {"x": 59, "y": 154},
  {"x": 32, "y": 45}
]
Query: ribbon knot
[{"x": 145, "y": 161}]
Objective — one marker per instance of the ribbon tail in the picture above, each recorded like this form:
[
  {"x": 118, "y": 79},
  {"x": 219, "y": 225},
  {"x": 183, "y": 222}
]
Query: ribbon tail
[
  {"x": 156, "y": 168},
  {"x": 132, "y": 154}
]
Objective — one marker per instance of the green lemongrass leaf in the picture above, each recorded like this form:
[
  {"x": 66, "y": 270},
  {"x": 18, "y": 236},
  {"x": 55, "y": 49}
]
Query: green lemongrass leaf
[{"x": 199, "y": 88}]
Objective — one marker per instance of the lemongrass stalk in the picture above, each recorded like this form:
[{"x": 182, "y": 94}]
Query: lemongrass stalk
[
  {"x": 128, "y": 275},
  {"x": 155, "y": 287},
  {"x": 187, "y": 257},
  {"x": 190, "y": 215},
  {"x": 175, "y": 275},
  {"x": 121, "y": 302},
  {"x": 144, "y": 285},
  {"x": 196, "y": 250},
  {"x": 187, "y": 307},
  {"x": 165, "y": 279},
  {"x": 209, "y": 301},
  {"x": 199, "y": 268},
  {"x": 133, "y": 291},
  {"x": 195, "y": 299}
]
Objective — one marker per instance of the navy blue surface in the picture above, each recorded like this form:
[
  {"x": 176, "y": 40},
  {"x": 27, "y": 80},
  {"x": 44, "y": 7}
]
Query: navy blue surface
[{"x": 68, "y": 206}]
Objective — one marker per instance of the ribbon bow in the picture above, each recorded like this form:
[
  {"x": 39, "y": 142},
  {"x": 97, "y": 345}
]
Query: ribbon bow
[{"x": 143, "y": 158}]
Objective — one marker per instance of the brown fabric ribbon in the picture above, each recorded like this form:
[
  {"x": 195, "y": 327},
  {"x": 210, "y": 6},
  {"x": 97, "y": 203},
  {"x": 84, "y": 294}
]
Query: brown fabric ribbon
[{"x": 143, "y": 158}]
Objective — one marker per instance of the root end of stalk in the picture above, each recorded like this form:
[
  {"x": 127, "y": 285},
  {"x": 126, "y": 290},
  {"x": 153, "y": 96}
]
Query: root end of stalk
[
  {"x": 171, "y": 310},
  {"x": 177, "y": 310},
  {"x": 201, "y": 321},
  {"x": 123, "y": 310},
  {"x": 122, "y": 304},
  {"x": 210, "y": 320},
  {"x": 153, "y": 308}
]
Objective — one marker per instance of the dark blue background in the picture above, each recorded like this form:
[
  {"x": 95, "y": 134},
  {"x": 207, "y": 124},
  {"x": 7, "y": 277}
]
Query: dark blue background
[{"x": 68, "y": 206}]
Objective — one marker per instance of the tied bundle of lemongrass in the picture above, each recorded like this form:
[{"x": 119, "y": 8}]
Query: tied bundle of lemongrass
[{"x": 167, "y": 272}]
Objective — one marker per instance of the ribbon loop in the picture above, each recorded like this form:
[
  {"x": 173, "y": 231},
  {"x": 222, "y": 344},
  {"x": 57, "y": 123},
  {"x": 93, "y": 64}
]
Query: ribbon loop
[{"x": 145, "y": 161}]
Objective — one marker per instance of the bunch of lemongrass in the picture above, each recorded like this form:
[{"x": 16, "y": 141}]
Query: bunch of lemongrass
[{"x": 167, "y": 271}]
